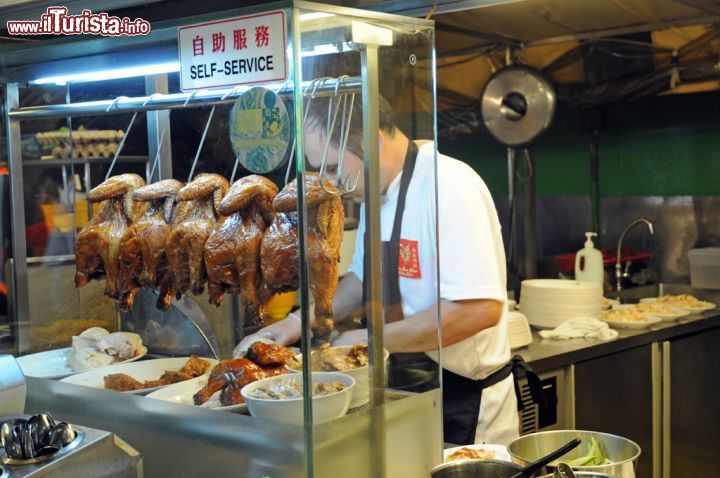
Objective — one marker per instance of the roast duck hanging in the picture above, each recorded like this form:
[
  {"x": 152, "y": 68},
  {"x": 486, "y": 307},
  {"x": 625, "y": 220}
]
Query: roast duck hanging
[
  {"x": 279, "y": 254},
  {"x": 196, "y": 217},
  {"x": 240, "y": 240},
  {"x": 232, "y": 253},
  {"x": 143, "y": 258},
  {"x": 98, "y": 243}
]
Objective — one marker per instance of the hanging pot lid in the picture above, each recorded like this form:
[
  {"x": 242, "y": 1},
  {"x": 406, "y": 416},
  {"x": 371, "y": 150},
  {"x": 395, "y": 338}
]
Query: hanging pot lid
[{"x": 518, "y": 105}]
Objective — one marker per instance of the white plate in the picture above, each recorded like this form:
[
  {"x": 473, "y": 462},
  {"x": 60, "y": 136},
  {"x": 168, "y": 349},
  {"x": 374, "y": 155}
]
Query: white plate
[
  {"x": 708, "y": 306},
  {"x": 53, "y": 363},
  {"x": 501, "y": 452},
  {"x": 669, "y": 316},
  {"x": 649, "y": 320},
  {"x": 609, "y": 303},
  {"x": 183, "y": 392},
  {"x": 141, "y": 371}
]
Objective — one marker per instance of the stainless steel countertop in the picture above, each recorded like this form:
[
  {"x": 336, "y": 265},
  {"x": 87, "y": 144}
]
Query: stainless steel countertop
[{"x": 548, "y": 354}]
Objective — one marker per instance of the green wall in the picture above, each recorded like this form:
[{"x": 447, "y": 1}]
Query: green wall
[{"x": 660, "y": 146}]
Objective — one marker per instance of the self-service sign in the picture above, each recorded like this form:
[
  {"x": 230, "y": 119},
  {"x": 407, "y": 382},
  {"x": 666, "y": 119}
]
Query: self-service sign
[{"x": 236, "y": 51}]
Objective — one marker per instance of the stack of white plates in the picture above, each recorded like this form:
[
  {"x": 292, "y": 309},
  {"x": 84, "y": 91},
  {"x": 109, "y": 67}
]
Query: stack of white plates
[
  {"x": 548, "y": 303},
  {"x": 519, "y": 333}
]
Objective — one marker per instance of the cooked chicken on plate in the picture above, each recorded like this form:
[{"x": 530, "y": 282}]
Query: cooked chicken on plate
[
  {"x": 194, "y": 367},
  {"x": 230, "y": 376},
  {"x": 143, "y": 262},
  {"x": 241, "y": 371},
  {"x": 267, "y": 355},
  {"x": 232, "y": 253},
  {"x": 98, "y": 243},
  {"x": 193, "y": 223}
]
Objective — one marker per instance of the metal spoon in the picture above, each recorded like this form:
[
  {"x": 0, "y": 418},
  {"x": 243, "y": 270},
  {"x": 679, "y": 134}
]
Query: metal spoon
[
  {"x": 47, "y": 450},
  {"x": 27, "y": 441},
  {"x": 40, "y": 427},
  {"x": 537, "y": 464},
  {"x": 9, "y": 441},
  {"x": 13, "y": 445},
  {"x": 62, "y": 435}
]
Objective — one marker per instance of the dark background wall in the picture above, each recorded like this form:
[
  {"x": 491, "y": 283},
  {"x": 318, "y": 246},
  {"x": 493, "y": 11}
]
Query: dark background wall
[{"x": 659, "y": 157}]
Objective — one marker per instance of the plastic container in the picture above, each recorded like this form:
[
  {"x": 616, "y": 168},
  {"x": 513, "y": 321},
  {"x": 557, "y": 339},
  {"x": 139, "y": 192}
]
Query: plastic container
[
  {"x": 589, "y": 262},
  {"x": 705, "y": 267}
]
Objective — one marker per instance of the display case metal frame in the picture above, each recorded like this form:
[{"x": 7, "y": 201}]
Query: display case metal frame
[{"x": 155, "y": 104}]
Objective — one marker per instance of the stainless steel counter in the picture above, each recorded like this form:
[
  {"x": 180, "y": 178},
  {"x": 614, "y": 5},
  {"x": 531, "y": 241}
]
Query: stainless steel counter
[{"x": 548, "y": 354}]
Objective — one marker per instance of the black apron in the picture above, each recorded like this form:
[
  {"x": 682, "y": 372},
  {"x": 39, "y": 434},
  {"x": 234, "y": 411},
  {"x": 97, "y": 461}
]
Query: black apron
[{"x": 416, "y": 372}]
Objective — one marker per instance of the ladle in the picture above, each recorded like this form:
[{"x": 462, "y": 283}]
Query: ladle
[{"x": 537, "y": 464}]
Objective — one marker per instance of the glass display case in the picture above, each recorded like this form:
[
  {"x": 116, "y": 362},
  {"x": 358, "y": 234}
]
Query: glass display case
[{"x": 350, "y": 78}]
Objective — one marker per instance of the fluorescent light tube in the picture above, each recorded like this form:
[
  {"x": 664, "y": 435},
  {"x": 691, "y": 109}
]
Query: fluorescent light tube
[{"x": 109, "y": 74}]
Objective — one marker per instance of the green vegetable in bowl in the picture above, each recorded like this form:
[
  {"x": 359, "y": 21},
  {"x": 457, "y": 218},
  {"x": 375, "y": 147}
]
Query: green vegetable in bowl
[{"x": 596, "y": 456}]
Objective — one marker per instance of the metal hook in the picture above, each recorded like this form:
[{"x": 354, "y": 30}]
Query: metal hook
[
  {"x": 233, "y": 90},
  {"x": 120, "y": 146},
  {"x": 115, "y": 102},
  {"x": 340, "y": 80},
  {"x": 314, "y": 84},
  {"x": 232, "y": 177},
  {"x": 202, "y": 141},
  {"x": 343, "y": 130},
  {"x": 157, "y": 153},
  {"x": 189, "y": 98},
  {"x": 346, "y": 185},
  {"x": 328, "y": 137}
]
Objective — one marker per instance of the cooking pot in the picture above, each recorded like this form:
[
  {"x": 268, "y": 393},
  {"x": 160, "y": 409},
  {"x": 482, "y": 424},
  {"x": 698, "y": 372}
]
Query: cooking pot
[
  {"x": 622, "y": 453},
  {"x": 475, "y": 469}
]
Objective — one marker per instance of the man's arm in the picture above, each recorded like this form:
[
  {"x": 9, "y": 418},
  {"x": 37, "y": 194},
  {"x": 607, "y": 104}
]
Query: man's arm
[
  {"x": 346, "y": 303},
  {"x": 460, "y": 320}
]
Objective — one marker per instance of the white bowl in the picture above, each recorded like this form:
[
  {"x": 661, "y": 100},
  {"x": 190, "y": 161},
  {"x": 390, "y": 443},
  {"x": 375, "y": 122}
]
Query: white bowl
[
  {"x": 361, "y": 392},
  {"x": 290, "y": 411}
]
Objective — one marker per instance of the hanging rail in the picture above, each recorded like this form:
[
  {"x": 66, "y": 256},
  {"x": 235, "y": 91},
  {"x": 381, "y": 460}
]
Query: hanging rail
[{"x": 166, "y": 102}]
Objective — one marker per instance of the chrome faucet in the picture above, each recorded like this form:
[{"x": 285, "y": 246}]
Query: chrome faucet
[{"x": 618, "y": 266}]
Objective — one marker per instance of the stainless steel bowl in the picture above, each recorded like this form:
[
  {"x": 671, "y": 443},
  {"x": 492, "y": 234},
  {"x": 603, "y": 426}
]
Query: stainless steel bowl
[
  {"x": 475, "y": 469},
  {"x": 623, "y": 453}
]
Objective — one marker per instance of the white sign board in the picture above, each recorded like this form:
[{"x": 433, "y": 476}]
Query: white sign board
[{"x": 236, "y": 51}]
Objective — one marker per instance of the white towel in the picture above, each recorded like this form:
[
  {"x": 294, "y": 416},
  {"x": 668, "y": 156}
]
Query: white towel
[{"x": 581, "y": 327}]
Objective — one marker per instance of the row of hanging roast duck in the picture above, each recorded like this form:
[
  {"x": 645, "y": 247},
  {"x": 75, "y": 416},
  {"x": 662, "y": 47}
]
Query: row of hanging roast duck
[{"x": 240, "y": 239}]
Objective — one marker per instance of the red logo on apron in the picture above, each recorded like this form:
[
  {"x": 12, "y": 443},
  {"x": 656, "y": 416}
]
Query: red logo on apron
[{"x": 408, "y": 260}]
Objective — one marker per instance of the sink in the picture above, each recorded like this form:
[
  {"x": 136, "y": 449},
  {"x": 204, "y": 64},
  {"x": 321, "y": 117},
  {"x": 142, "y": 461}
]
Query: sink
[{"x": 654, "y": 290}]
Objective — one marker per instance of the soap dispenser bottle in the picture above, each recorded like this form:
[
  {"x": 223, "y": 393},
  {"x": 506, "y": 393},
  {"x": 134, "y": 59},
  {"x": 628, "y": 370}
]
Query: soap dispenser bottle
[{"x": 589, "y": 262}]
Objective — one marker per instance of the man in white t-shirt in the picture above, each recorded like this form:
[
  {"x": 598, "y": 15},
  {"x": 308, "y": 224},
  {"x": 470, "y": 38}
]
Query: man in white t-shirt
[{"x": 478, "y": 393}]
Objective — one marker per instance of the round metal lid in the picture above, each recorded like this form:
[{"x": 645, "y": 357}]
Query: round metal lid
[{"x": 518, "y": 105}]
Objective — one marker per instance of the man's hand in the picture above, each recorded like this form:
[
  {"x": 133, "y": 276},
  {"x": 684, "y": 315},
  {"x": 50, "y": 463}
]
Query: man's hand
[
  {"x": 351, "y": 337},
  {"x": 284, "y": 332}
]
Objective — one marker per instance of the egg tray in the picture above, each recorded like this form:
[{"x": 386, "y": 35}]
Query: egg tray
[{"x": 85, "y": 144}]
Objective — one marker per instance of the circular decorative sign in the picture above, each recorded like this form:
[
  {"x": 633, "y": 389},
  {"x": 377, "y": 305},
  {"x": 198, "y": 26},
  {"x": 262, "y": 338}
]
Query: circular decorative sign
[{"x": 260, "y": 130}]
